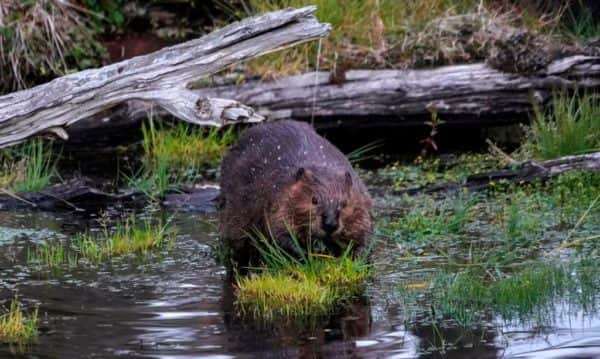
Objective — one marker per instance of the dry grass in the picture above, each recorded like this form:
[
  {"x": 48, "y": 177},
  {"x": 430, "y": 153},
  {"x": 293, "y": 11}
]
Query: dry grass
[
  {"x": 408, "y": 34},
  {"x": 42, "y": 39}
]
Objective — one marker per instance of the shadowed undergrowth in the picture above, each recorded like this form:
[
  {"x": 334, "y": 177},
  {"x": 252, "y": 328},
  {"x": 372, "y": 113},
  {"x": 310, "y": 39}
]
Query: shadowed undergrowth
[{"x": 28, "y": 167}]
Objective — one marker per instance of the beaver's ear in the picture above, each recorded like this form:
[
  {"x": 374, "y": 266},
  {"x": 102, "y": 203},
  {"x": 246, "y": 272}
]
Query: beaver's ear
[
  {"x": 348, "y": 179},
  {"x": 302, "y": 173}
]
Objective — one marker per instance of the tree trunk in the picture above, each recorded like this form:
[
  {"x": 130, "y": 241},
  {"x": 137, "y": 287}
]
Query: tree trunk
[{"x": 161, "y": 78}]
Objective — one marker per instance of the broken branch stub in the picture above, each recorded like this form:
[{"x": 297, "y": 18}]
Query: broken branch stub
[{"x": 161, "y": 77}]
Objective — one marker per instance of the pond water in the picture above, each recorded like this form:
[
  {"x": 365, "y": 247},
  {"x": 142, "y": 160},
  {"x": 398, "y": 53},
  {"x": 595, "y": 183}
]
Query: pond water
[{"x": 180, "y": 304}]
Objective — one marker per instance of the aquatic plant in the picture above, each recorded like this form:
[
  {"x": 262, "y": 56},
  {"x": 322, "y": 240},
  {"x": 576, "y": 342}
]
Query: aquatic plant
[
  {"x": 569, "y": 127},
  {"x": 16, "y": 327},
  {"x": 127, "y": 238},
  {"x": 178, "y": 153},
  {"x": 467, "y": 297},
  {"x": 299, "y": 288},
  {"x": 428, "y": 171},
  {"x": 52, "y": 256}
]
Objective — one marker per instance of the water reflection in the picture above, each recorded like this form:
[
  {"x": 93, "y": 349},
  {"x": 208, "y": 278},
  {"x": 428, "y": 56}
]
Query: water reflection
[{"x": 181, "y": 305}]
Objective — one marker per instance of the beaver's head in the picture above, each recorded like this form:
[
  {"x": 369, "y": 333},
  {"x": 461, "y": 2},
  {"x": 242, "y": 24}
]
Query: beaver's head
[{"x": 323, "y": 204}]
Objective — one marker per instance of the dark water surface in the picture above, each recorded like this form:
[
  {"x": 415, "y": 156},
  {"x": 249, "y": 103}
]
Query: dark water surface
[{"x": 179, "y": 304}]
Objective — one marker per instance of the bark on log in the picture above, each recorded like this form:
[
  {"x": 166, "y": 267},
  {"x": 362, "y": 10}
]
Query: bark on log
[
  {"x": 462, "y": 94},
  {"x": 161, "y": 77},
  {"x": 525, "y": 172}
]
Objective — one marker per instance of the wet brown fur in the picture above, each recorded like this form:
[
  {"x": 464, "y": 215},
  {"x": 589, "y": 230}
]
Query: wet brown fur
[{"x": 269, "y": 181}]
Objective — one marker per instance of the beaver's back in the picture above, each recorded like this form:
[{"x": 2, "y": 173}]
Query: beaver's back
[{"x": 264, "y": 160}]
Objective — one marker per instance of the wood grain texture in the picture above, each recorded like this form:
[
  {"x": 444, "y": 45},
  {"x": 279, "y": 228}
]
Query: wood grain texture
[
  {"x": 160, "y": 78},
  {"x": 475, "y": 91}
]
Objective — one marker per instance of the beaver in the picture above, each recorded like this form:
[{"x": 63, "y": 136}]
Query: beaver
[{"x": 281, "y": 178}]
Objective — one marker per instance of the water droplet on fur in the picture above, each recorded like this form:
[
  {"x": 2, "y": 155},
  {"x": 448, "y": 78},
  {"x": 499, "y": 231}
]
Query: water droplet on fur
[
  {"x": 321, "y": 147},
  {"x": 265, "y": 161},
  {"x": 279, "y": 158},
  {"x": 278, "y": 147}
]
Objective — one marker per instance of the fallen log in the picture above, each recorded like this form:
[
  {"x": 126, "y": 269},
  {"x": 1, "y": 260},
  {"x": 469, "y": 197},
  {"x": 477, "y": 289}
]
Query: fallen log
[
  {"x": 461, "y": 94},
  {"x": 520, "y": 173},
  {"x": 79, "y": 194},
  {"x": 82, "y": 194},
  {"x": 161, "y": 78}
]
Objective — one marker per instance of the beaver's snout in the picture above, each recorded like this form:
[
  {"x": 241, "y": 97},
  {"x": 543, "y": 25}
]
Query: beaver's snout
[{"x": 329, "y": 221}]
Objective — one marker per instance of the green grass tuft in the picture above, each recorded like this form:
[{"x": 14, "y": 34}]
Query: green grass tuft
[
  {"x": 128, "y": 238},
  {"x": 569, "y": 127},
  {"x": 16, "y": 327},
  {"x": 29, "y": 168},
  {"x": 300, "y": 288},
  {"x": 52, "y": 256},
  {"x": 177, "y": 154}
]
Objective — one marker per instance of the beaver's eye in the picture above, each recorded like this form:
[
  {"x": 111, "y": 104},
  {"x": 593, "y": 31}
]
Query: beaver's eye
[{"x": 315, "y": 200}]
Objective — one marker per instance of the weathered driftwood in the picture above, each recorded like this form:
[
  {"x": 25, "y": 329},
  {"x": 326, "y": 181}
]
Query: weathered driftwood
[
  {"x": 462, "y": 94},
  {"x": 525, "y": 172},
  {"x": 161, "y": 77}
]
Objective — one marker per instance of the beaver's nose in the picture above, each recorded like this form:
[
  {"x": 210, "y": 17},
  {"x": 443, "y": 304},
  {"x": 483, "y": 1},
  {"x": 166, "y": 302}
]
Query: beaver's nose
[{"x": 329, "y": 223}]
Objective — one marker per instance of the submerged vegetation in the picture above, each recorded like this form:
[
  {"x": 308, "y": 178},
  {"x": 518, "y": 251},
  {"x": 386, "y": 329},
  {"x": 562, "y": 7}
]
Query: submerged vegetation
[
  {"x": 179, "y": 153},
  {"x": 495, "y": 252},
  {"x": 16, "y": 327},
  {"x": 300, "y": 288}
]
